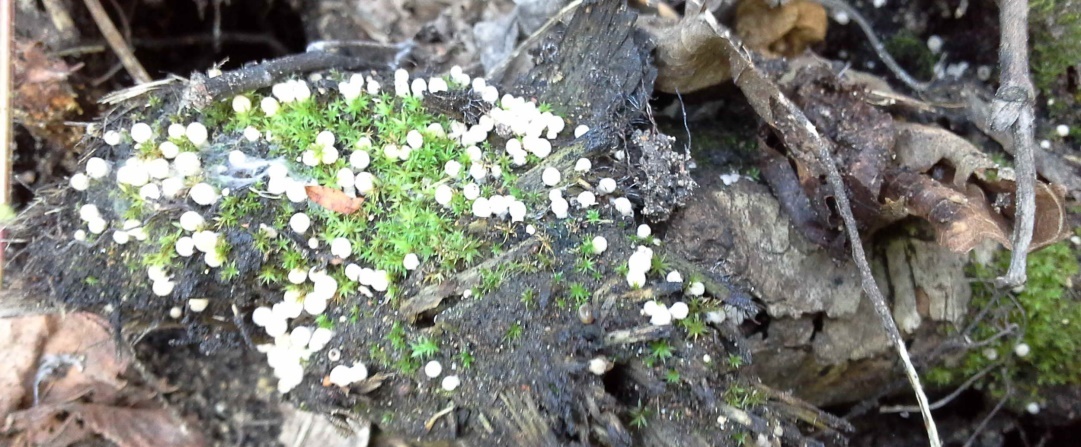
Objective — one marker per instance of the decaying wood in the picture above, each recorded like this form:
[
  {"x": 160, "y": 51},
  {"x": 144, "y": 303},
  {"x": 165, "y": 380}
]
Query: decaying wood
[{"x": 804, "y": 141}]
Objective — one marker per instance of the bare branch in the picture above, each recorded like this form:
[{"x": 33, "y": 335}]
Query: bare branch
[
  {"x": 117, "y": 43},
  {"x": 1012, "y": 110}
]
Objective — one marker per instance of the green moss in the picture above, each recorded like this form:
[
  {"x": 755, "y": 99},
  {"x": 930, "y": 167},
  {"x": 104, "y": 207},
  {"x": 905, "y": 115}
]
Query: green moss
[
  {"x": 1056, "y": 40},
  {"x": 1046, "y": 314},
  {"x": 912, "y": 53}
]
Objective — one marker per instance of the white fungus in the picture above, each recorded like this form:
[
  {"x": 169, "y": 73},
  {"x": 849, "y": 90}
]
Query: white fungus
[
  {"x": 414, "y": 139},
  {"x": 1062, "y": 130},
  {"x": 79, "y": 181},
  {"x": 141, "y": 132},
  {"x": 600, "y": 365},
  {"x": 478, "y": 172},
  {"x": 1021, "y": 350},
  {"x": 89, "y": 212},
  {"x": 205, "y": 240},
  {"x": 517, "y": 211},
  {"x": 679, "y": 310},
  {"x": 168, "y": 149},
  {"x": 241, "y": 104},
  {"x": 175, "y": 130},
  {"x": 300, "y": 222},
  {"x": 163, "y": 288},
  {"x": 185, "y": 246},
  {"x": 586, "y": 199},
  {"x": 359, "y": 160},
  {"x": 341, "y": 247},
  {"x": 187, "y": 164},
  {"x": 471, "y": 191},
  {"x": 198, "y": 304},
  {"x": 583, "y": 165},
  {"x": 696, "y": 289},
  {"x": 176, "y": 312},
  {"x": 344, "y": 376},
  {"x": 150, "y": 191},
  {"x": 644, "y": 231},
  {"x": 481, "y": 208},
  {"x": 550, "y": 176},
  {"x": 157, "y": 168},
  {"x": 411, "y": 261},
  {"x": 79, "y": 235},
  {"x": 437, "y": 85},
  {"x": 600, "y": 244},
  {"x": 121, "y": 237},
  {"x": 203, "y": 194},
  {"x": 97, "y": 168},
  {"x": 934, "y": 43},
  {"x": 607, "y": 185},
  {"x": 674, "y": 276},
  {"x": 1032, "y": 408},
  {"x": 433, "y": 369},
  {"x": 452, "y": 168},
  {"x": 623, "y": 206},
  {"x": 297, "y": 275},
  {"x": 191, "y": 221},
  {"x": 365, "y": 183},
  {"x": 196, "y": 133},
  {"x": 320, "y": 338},
  {"x": 560, "y": 208},
  {"x": 451, "y": 383},
  {"x": 661, "y": 317},
  {"x": 132, "y": 173},
  {"x": 97, "y": 226},
  {"x": 269, "y": 106},
  {"x": 444, "y": 194},
  {"x": 582, "y": 129},
  {"x": 172, "y": 186},
  {"x": 112, "y": 138}
]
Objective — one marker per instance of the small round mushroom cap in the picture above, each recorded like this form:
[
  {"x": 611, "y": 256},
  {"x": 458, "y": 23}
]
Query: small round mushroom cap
[{"x": 433, "y": 369}]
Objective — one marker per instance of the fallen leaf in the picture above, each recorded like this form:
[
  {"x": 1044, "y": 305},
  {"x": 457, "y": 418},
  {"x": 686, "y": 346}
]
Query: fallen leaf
[
  {"x": 68, "y": 380},
  {"x": 687, "y": 59},
  {"x": 961, "y": 220},
  {"x": 784, "y": 30},
  {"x": 334, "y": 199},
  {"x": 919, "y": 148}
]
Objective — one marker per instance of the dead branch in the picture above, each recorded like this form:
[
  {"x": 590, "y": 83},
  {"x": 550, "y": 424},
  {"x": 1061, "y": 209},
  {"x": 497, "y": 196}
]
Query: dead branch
[
  {"x": 7, "y": 137},
  {"x": 1012, "y": 110},
  {"x": 117, "y": 42}
]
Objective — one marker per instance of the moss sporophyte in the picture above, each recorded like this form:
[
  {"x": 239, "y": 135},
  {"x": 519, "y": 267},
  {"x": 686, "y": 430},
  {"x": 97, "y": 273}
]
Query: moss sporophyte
[{"x": 333, "y": 168}]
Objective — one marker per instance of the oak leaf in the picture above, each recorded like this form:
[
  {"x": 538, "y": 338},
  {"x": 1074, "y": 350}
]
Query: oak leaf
[{"x": 334, "y": 199}]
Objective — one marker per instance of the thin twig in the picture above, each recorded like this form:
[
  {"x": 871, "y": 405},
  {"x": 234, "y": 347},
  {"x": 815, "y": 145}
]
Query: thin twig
[
  {"x": 945, "y": 400},
  {"x": 805, "y": 143},
  {"x": 116, "y": 42},
  {"x": 879, "y": 47},
  {"x": 1012, "y": 110},
  {"x": 7, "y": 42},
  {"x": 994, "y": 411},
  {"x": 871, "y": 288}
]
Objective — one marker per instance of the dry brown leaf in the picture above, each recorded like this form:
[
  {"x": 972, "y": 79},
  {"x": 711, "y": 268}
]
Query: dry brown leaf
[
  {"x": 919, "y": 148},
  {"x": 334, "y": 199},
  {"x": 687, "y": 57},
  {"x": 785, "y": 30},
  {"x": 961, "y": 220},
  {"x": 73, "y": 362},
  {"x": 1051, "y": 222},
  {"x": 42, "y": 94}
]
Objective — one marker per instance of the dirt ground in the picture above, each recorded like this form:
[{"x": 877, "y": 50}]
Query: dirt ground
[{"x": 551, "y": 344}]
